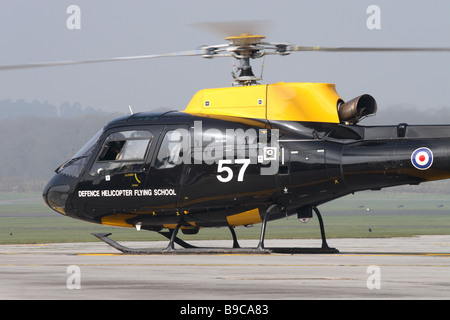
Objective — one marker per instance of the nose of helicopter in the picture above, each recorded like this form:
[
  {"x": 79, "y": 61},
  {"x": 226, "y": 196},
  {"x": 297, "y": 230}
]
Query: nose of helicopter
[{"x": 57, "y": 191}]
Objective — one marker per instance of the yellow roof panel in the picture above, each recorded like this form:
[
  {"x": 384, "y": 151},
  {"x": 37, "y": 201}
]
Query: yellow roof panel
[{"x": 313, "y": 102}]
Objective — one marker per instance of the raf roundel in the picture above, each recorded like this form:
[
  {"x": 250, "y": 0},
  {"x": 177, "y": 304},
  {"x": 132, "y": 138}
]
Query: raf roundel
[{"x": 422, "y": 158}]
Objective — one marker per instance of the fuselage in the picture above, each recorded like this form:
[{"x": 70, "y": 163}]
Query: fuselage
[{"x": 225, "y": 171}]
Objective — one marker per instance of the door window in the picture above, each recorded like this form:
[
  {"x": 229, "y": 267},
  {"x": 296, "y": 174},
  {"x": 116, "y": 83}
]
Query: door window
[
  {"x": 172, "y": 149},
  {"x": 123, "y": 151}
]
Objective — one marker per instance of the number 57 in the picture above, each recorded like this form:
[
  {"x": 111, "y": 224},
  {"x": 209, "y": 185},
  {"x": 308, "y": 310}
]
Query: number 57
[{"x": 229, "y": 172}]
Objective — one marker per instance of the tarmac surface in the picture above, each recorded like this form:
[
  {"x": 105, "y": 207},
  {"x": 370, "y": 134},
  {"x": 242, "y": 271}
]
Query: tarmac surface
[{"x": 391, "y": 268}]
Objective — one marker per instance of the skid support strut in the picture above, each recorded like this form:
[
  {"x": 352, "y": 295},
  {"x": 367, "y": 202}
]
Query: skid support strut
[
  {"x": 324, "y": 249},
  {"x": 173, "y": 236},
  {"x": 263, "y": 227},
  {"x": 170, "y": 234},
  {"x": 325, "y": 246},
  {"x": 235, "y": 241}
]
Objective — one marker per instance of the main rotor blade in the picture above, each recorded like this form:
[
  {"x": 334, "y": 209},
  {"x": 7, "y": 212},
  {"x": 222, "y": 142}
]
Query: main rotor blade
[
  {"x": 199, "y": 52},
  {"x": 367, "y": 49},
  {"x": 210, "y": 51}
]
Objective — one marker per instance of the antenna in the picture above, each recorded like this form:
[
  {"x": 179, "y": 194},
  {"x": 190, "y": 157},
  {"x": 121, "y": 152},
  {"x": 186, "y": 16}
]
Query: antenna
[{"x": 131, "y": 110}]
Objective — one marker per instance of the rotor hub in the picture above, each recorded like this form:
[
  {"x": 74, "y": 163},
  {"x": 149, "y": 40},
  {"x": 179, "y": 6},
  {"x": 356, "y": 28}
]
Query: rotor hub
[{"x": 245, "y": 39}]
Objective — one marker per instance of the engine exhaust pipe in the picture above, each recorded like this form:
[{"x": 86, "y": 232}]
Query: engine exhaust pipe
[{"x": 353, "y": 111}]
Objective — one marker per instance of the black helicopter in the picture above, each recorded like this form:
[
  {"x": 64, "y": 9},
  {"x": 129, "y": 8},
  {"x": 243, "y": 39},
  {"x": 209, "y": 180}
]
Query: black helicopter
[{"x": 241, "y": 155}]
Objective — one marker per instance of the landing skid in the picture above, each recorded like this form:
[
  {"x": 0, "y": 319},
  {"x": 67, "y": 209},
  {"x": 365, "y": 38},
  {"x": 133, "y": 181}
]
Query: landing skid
[
  {"x": 236, "y": 249},
  {"x": 188, "y": 250}
]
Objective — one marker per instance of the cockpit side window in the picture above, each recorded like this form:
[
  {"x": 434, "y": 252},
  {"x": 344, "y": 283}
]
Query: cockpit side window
[{"x": 123, "y": 151}]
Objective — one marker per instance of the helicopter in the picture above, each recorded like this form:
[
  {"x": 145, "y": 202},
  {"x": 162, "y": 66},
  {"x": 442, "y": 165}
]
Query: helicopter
[{"x": 241, "y": 155}]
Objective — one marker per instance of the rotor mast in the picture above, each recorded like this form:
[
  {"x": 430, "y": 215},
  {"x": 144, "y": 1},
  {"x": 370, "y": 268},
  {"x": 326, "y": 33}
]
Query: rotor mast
[{"x": 244, "y": 48}]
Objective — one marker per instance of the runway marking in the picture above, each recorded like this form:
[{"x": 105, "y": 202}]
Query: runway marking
[
  {"x": 283, "y": 278},
  {"x": 99, "y": 254},
  {"x": 217, "y": 265},
  {"x": 374, "y": 254},
  {"x": 355, "y": 254}
]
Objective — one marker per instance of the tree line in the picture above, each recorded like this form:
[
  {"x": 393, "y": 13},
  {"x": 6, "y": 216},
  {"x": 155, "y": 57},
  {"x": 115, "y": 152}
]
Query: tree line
[{"x": 20, "y": 108}]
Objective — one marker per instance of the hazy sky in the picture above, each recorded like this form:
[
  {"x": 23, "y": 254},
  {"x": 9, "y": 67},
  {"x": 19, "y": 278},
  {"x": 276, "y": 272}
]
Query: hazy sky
[{"x": 36, "y": 31}]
